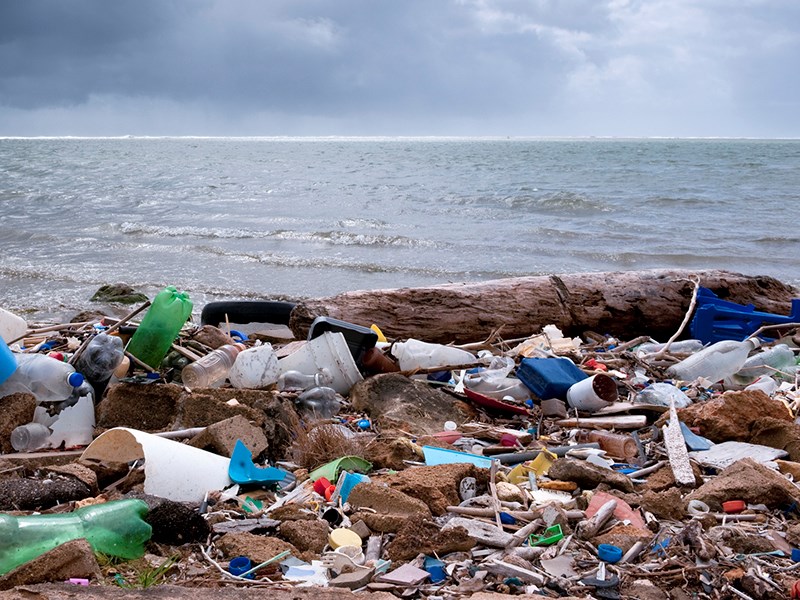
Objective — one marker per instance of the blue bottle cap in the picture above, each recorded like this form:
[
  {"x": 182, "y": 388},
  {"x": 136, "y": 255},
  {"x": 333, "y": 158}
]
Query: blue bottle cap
[
  {"x": 364, "y": 424},
  {"x": 796, "y": 554},
  {"x": 75, "y": 379},
  {"x": 609, "y": 553},
  {"x": 239, "y": 565}
]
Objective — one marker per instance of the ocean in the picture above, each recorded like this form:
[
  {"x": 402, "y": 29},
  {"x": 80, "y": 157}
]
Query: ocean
[{"x": 290, "y": 218}]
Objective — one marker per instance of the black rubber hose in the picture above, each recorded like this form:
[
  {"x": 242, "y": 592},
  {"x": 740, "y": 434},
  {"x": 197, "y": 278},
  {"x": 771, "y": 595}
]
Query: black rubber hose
[{"x": 247, "y": 311}]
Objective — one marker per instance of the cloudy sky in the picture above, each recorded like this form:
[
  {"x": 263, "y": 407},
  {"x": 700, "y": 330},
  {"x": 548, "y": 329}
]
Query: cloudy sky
[{"x": 400, "y": 67}]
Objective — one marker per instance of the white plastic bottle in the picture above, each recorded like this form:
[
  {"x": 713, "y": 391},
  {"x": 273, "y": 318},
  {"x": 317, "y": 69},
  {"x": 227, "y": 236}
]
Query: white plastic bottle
[
  {"x": 212, "y": 368},
  {"x": 11, "y": 326},
  {"x": 48, "y": 379},
  {"x": 415, "y": 354},
  {"x": 716, "y": 362},
  {"x": 255, "y": 368}
]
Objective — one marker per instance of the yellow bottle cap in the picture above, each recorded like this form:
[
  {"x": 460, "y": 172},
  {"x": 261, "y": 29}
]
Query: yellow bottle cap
[
  {"x": 344, "y": 537},
  {"x": 376, "y": 329}
]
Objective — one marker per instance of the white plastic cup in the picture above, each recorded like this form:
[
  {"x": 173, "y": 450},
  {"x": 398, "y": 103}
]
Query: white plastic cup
[
  {"x": 255, "y": 368},
  {"x": 30, "y": 436},
  {"x": 593, "y": 393},
  {"x": 328, "y": 351}
]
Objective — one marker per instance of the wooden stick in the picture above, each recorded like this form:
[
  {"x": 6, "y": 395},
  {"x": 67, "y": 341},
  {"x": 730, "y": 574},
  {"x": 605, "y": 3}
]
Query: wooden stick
[
  {"x": 110, "y": 330},
  {"x": 588, "y": 529},
  {"x": 139, "y": 363},
  {"x": 687, "y": 316}
]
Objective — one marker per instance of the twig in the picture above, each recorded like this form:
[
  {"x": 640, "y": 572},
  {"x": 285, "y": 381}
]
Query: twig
[
  {"x": 661, "y": 353},
  {"x": 139, "y": 363}
]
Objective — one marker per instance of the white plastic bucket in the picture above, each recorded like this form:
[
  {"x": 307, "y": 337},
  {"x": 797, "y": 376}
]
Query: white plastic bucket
[{"x": 328, "y": 351}]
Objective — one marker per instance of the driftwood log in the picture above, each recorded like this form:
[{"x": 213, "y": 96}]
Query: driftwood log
[{"x": 624, "y": 304}]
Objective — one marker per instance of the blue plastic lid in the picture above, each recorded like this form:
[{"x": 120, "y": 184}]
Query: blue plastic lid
[
  {"x": 75, "y": 379},
  {"x": 609, "y": 553},
  {"x": 239, "y": 565}
]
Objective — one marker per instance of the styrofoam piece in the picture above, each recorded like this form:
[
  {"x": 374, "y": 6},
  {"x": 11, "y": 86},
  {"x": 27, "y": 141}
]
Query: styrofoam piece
[
  {"x": 328, "y": 351},
  {"x": 172, "y": 470},
  {"x": 725, "y": 454}
]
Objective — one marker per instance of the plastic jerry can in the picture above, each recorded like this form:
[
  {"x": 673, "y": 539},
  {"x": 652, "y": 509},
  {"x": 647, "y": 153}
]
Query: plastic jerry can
[{"x": 549, "y": 377}]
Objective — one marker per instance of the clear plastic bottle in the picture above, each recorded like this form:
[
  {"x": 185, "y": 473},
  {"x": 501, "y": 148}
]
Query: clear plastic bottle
[
  {"x": 319, "y": 402},
  {"x": 415, "y": 354},
  {"x": 48, "y": 379},
  {"x": 99, "y": 359},
  {"x": 780, "y": 357},
  {"x": 255, "y": 368},
  {"x": 115, "y": 528},
  {"x": 212, "y": 368},
  {"x": 674, "y": 347},
  {"x": 297, "y": 381},
  {"x": 716, "y": 362},
  {"x": 160, "y": 326},
  {"x": 30, "y": 437}
]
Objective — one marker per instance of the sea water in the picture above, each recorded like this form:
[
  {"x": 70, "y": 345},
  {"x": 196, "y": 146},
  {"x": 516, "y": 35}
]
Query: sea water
[{"x": 289, "y": 218}]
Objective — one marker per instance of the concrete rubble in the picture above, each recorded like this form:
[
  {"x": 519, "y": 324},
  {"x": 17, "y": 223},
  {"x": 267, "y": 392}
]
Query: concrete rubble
[{"x": 420, "y": 487}]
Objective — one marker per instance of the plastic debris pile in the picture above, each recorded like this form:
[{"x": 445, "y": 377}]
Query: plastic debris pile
[{"x": 154, "y": 450}]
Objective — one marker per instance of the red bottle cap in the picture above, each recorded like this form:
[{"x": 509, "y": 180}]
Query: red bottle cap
[
  {"x": 734, "y": 506},
  {"x": 329, "y": 492},
  {"x": 320, "y": 485}
]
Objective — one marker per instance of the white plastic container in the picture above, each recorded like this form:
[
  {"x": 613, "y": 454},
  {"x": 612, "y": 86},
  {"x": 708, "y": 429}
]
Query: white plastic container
[
  {"x": 48, "y": 379},
  {"x": 255, "y": 368},
  {"x": 415, "y": 354},
  {"x": 716, "y": 362},
  {"x": 593, "y": 393},
  {"x": 11, "y": 326},
  {"x": 330, "y": 352}
]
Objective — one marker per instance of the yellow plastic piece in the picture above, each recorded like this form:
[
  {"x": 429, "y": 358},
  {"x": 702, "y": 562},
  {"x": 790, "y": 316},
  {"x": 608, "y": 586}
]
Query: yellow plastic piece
[
  {"x": 539, "y": 466},
  {"x": 344, "y": 537},
  {"x": 376, "y": 329}
]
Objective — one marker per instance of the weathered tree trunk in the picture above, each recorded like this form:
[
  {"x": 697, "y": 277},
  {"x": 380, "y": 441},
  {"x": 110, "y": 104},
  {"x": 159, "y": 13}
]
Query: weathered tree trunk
[{"x": 625, "y": 304}]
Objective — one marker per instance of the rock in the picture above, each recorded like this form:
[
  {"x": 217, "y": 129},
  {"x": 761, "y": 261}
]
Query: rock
[
  {"x": 508, "y": 492},
  {"x": 395, "y": 401},
  {"x": 663, "y": 479},
  {"x": 391, "y": 507},
  {"x": 306, "y": 535},
  {"x": 436, "y": 486},
  {"x": 258, "y": 548},
  {"x": 731, "y": 416},
  {"x": 146, "y": 407},
  {"x": 749, "y": 481},
  {"x": 666, "y": 504},
  {"x": 415, "y": 538},
  {"x": 644, "y": 589},
  {"x": 75, "y": 558},
  {"x": 352, "y": 581},
  {"x": 624, "y": 536},
  {"x": 38, "y": 494},
  {"x": 741, "y": 542},
  {"x": 173, "y": 523},
  {"x": 17, "y": 410},
  {"x": 293, "y": 512},
  {"x": 118, "y": 292},
  {"x": 221, "y": 437},
  {"x": 587, "y": 475},
  {"x": 484, "y": 533},
  {"x": 777, "y": 433},
  {"x": 80, "y": 472},
  {"x": 211, "y": 336}
]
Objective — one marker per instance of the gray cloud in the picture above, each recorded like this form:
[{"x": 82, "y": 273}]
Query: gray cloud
[{"x": 466, "y": 67}]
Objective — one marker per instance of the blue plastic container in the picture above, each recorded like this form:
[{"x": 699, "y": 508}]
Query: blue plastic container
[
  {"x": 8, "y": 364},
  {"x": 549, "y": 377}
]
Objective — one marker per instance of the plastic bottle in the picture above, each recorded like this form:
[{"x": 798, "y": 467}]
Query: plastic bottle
[
  {"x": 115, "y": 528},
  {"x": 716, "y": 362},
  {"x": 30, "y": 437},
  {"x": 8, "y": 364},
  {"x": 48, "y": 379},
  {"x": 674, "y": 348},
  {"x": 212, "y": 368},
  {"x": 663, "y": 394},
  {"x": 780, "y": 357},
  {"x": 11, "y": 326},
  {"x": 415, "y": 354},
  {"x": 160, "y": 325},
  {"x": 255, "y": 368},
  {"x": 319, "y": 402},
  {"x": 765, "y": 383},
  {"x": 295, "y": 380},
  {"x": 102, "y": 355}
]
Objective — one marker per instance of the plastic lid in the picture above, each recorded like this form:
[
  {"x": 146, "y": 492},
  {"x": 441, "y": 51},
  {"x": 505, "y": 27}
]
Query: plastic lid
[
  {"x": 734, "y": 506},
  {"x": 344, "y": 537},
  {"x": 609, "y": 553},
  {"x": 75, "y": 379}
]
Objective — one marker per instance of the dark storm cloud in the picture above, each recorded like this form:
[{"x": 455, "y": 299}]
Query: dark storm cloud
[{"x": 624, "y": 67}]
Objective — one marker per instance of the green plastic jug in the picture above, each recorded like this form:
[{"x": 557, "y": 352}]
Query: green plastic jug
[
  {"x": 160, "y": 326},
  {"x": 115, "y": 528}
]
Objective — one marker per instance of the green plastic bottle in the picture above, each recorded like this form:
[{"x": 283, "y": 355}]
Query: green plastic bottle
[
  {"x": 160, "y": 326},
  {"x": 115, "y": 528}
]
